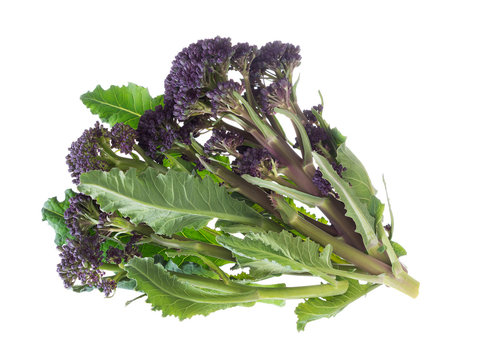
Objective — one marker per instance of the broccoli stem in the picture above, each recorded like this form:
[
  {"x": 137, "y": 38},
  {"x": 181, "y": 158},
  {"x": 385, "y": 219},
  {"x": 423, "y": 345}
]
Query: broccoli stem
[
  {"x": 238, "y": 293},
  {"x": 177, "y": 242},
  {"x": 402, "y": 282}
]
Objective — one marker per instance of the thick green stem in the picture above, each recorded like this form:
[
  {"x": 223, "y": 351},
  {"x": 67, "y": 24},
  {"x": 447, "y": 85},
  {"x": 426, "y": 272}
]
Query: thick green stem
[
  {"x": 149, "y": 160},
  {"x": 121, "y": 162},
  {"x": 110, "y": 267},
  {"x": 363, "y": 261},
  {"x": 252, "y": 192},
  {"x": 237, "y": 293},
  {"x": 178, "y": 242}
]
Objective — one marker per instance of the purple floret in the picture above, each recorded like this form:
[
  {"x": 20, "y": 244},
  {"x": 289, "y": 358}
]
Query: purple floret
[
  {"x": 252, "y": 161},
  {"x": 338, "y": 168},
  {"x": 243, "y": 55},
  {"x": 82, "y": 215},
  {"x": 85, "y": 153},
  {"x": 309, "y": 114},
  {"x": 223, "y": 141},
  {"x": 275, "y": 95},
  {"x": 73, "y": 266},
  {"x": 315, "y": 135},
  {"x": 222, "y": 99},
  {"x": 190, "y": 128},
  {"x": 157, "y": 130},
  {"x": 123, "y": 137},
  {"x": 322, "y": 184},
  {"x": 107, "y": 286},
  {"x": 275, "y": 60},
  {"x": 195, "y": 70}
]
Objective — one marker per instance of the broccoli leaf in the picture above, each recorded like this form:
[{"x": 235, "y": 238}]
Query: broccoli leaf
[
  {"x": 356, "y": 174},
  {"x": 52, "y": 212},
  {"x": 357, "y": 177},
  {"x": 355, "y": 208},
  {"x": 317, "y": 308},
  {"x": 167, "y": 203},
  {"x": 175, "y": 296},
  {"x": 120, "y": 104},
  {"x": 271, "y": 253}
]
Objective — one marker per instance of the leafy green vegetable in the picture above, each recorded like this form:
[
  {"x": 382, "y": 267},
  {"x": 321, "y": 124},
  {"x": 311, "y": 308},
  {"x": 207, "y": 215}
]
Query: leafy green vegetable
[
  {"x": 356, "y": 209},
  {"x": 317, "y": 308},
  {"x": 281, "y": 252},
  {"x": 175, "y": 198},
  {"x": 52, "y": 212},
  {"x": 355, "y": 174},
  {"x": 120, "y": 104},
  {"x": 161, "y": 200},
  {"x": 175, "y": 297}
]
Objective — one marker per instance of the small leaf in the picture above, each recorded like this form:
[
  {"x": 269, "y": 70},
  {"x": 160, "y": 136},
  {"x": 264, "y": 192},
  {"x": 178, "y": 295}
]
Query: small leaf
[
  {"x": 53, "y": 211},
  {"x": 127, "y": 284},
  {"x": 168, "y": 203},
  {"x": 399, "y": 250},
  {"x": 318, "y": 308},
  {"x": 124, "y": 104}
]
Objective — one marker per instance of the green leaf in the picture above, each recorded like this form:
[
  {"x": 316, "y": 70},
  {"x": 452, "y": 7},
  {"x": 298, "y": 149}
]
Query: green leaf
[
  {"x": 318, "y": 308},
  {"x": 392, "y": 220},
  {"x": 82, "y": 288},
  {"x": 53, "y": 211},
  {"x": 304, "y": 211},
  {"x": 355, "y": 174},
  {"x": 175, "y": 296},
  {"x": 167, "y": 203},
  {"x": 303, "y": 197},
  {"x": 355, "y": 208},
  {"x": 399, "y": 250},
  {"x": 127, "y": 284},
  {"x": 206, "y": 235},
  {"x": 375, "y": 209},
  {"x": 271, "y": 253},
  {"x": 120, "y": 104}
]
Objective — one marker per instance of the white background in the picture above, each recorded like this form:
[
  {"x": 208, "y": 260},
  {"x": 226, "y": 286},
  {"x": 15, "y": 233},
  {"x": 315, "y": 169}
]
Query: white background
[{"x": 400, "y": 78}]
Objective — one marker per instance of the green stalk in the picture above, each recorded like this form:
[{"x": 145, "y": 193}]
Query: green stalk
[
  {"x": 178, "y": 242},
  {"x": 149, "y": 160},
  {"x": 373, "y": 266},
  {"x": 248, "y": 190},
  {"x": 121, "y": 162},
  {"x": 244, "y": 293}
]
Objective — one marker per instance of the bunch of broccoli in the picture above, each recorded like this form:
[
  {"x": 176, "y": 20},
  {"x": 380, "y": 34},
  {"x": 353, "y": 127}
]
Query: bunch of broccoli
[{"x": 213, "y": 148}]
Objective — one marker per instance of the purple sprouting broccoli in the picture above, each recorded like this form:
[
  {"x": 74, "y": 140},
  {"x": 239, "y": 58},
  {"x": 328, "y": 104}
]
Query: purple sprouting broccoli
[
  {"x": 275, "y": 60},
  {"x": 123, "y": 137},
  {"x": 76, "y": 263},
  {"x": 253, "y": 161},
  {"x": 243, "y": 55},
  {"x": 196, "y": 70},
  {"x": 322, "y": 184},
  {"x": 93, "y": 150},
  {"x": 157, "y": 130},
  {"x": 85, "y": 153},
  {"x": 82, "y": 215},
  {"x": 223, "y": 141},
  {"x": 222, "y": 99},
  {"x": 277, "y": 94},
  {"x": 83, "y": 255}
]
